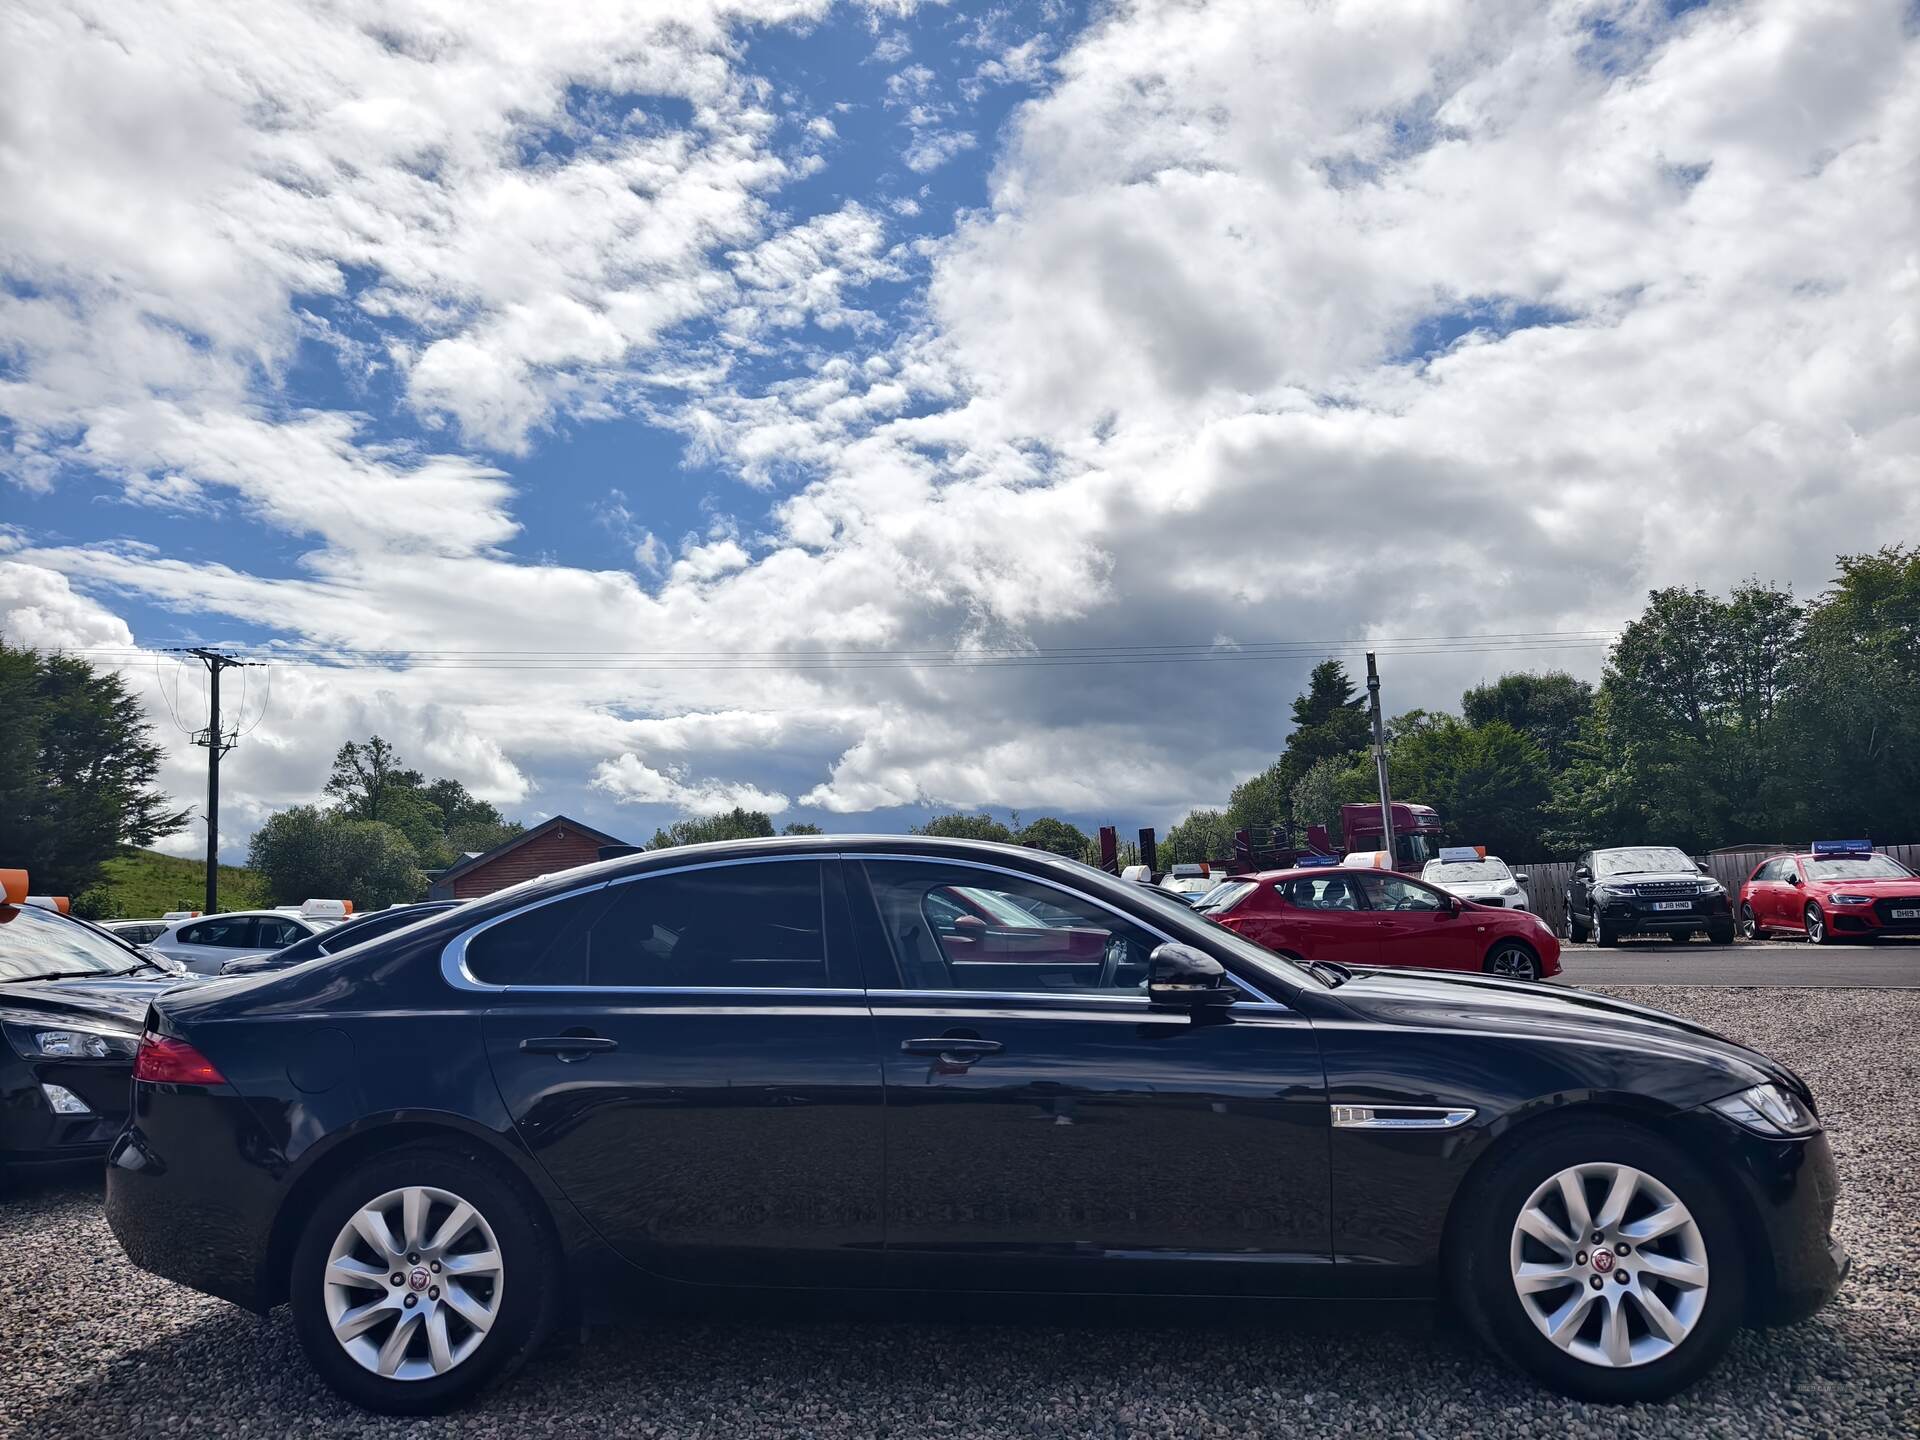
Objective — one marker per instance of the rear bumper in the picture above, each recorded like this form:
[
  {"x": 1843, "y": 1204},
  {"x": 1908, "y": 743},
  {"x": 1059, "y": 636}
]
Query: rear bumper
[{"x": 180, "y": 1205}]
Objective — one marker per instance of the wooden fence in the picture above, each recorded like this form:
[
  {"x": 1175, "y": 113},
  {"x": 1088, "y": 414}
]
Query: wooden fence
[{"x": 1547, "y": 892}]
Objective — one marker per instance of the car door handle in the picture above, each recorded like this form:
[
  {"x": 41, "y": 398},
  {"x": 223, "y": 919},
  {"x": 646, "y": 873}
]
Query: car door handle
[
  {"x": 568, "y": 1047},
  {"x": 951, "y": 1045}
]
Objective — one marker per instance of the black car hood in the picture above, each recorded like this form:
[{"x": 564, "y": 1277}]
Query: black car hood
[
  {"x": 1652, "y": 877},
  {"x": 1444, "y": 1000},
  {"x": 123, "y": 999}
]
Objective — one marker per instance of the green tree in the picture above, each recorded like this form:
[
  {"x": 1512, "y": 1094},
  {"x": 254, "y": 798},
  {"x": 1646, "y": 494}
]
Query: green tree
[
  {"x": 1318, "y": 795},
  {"x": 965, "y": 827},
  {"x": 305, "y": 852},
  {"x": 1685, "y": 741},
  {"x": 368, "y": 779},
  {"x": 801, "y": 827},
  {"x": 1549, "y": 707},
  {"x": 1203, "y": 835},
  {"x": 1056, "y": 837},
  {"x": 77, "y": 766},
  {"x": 1489, "y": 782},
  {"x": 1329, "y": 722},
  {"x": 735, "y": 824},
  {"x": 1852, "y": 717}
]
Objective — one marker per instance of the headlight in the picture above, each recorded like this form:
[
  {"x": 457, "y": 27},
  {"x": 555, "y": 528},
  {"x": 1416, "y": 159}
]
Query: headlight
[
  {"x": 69, "y": 1042},
  {"x": 1510, "y": 890},
  {"x": 1607, "y": 894},
  {"x": 1768, "y": 1110},
  {"x": 1712, "y": 887},
  {"x": 1851, "y": 899}
]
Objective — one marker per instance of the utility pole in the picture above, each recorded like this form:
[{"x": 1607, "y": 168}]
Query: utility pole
[
  {"x": 1380, "y": 759},
  {"x": 217, "y": 742}
]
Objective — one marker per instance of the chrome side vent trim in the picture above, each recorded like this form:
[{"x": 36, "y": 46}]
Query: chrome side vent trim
[{"x": 1398, "y": 1117}]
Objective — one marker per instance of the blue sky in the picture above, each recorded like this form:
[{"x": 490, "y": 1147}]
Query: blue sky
[{"x": 971, "y": 331}]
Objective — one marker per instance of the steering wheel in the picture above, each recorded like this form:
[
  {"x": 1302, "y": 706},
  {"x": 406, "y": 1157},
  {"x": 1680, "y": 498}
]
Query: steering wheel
[{"x": 1110, "y": 964}]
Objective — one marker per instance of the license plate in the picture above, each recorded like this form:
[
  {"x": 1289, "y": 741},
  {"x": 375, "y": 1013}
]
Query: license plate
[
  {"x": 1673, "y": 904},
  {"x": 1905, "y": 914}
]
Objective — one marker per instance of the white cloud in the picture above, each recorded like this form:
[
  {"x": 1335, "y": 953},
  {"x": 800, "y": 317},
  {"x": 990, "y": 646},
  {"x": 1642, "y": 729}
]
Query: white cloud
[{"x": 1179, "y": 376}]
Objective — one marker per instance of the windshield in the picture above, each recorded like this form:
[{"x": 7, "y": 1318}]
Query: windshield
[
  {"x": 1643, "y": 860},
  {"x": 1466, "y": 872},
  {"x": 36, "y": 943},
  {"x": 1224, "y": 896},
  {"x": 1858, "y": 867}
]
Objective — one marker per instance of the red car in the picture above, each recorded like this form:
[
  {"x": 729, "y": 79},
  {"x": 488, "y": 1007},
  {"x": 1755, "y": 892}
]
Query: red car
[
  {"x": 1840, "y": 890},
  {"x": 1376, "y": 917}
]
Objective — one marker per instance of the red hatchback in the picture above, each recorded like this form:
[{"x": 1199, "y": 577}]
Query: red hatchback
[
  {"x": 1375, "y": 917},
  {"x": 1835, "y": 892}
]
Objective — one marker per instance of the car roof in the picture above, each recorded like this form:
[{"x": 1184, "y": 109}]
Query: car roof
[{"x": 1260, "y": 877}]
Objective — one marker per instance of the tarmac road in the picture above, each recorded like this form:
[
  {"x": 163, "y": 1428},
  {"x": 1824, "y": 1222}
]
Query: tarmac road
[{"x": 1890, "y": 964}]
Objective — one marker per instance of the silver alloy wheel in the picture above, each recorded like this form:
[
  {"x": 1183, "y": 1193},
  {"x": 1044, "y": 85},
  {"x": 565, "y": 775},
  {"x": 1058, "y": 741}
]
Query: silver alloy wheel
[
  {"x": 1816, "y": 925},
  {"x": 1609, "y": 1265},
  {"x": 1513, "y": 963},
  {"x": 412, "y": 1302},
  {"x": 1749, "y": 925}
]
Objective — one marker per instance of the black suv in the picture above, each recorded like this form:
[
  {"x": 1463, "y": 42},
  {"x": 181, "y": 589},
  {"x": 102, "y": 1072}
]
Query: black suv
[{"x": 1645, "y": 890}]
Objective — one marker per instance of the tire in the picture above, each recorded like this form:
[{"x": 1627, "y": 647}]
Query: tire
[
  {"x": 1603, "y": 936},
  {"x": 1576, "y": 932},
  {"x": 1720, "y": 932},
  {"x": 1703, "y": 1306},
  {"x": 518, "y": 1299},
  {"x": 1750, "y": 927},
  {"x": 1512, "y": 960},
  {"x": 1817, "y": 931}
]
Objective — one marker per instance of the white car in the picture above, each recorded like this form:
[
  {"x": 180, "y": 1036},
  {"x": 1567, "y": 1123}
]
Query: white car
[
  {"x": 1483, "y": 879},
  {"x": 1191, "y": 881},
  {"x": 204, "y": 944}
]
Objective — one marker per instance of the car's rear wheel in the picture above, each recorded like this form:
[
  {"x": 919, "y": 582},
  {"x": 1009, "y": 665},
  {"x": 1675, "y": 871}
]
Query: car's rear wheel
[
  {"x": 421, "y": 1276},
  {"x": 1749, "y": 923},
  {"x": 1513, "y": 960},
  {"x": 1603, "y": 1261}
]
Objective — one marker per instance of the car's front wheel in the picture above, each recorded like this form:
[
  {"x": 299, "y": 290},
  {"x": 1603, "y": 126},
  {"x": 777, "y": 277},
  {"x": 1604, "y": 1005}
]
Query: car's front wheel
[
  {"x": 1603, "y": 1261},
  {"x": 1817, "y": 930},
  {"x": 420, "y": 1277},
  {"x": 1513, "y": 960}
]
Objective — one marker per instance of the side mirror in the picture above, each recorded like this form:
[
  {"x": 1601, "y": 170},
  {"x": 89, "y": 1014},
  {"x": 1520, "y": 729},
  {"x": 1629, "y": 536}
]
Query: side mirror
[
  {"x": 1453, "y": 908},
  {"x": 1581, "y": 872},
  {"x": 1182, "y": 976},
  {"x": 1520, "y": 877},
  {"x": 1794, "y": 879}
]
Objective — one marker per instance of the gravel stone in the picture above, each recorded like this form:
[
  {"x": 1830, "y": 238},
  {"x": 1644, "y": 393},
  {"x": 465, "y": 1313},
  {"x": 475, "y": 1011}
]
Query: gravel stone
[{"x": 90, "y": 1346}]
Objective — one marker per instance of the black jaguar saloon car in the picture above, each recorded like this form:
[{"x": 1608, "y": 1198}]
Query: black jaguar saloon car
[{"x": 813, "y": 1063}]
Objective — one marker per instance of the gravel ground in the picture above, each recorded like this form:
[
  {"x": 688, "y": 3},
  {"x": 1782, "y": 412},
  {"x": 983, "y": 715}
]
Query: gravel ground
[{"x": 89, "y": 1346}]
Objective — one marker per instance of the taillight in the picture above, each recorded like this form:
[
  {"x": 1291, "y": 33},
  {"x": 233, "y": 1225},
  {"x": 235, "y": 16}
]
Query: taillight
[{"x": 168, "y": 1061}]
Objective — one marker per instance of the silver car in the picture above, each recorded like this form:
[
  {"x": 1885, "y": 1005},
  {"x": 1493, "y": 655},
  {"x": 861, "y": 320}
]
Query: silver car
[{"x": 204, "y": 944}]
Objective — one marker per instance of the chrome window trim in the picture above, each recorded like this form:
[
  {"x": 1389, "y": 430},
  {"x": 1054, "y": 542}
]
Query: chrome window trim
[
  {"x": 453, "y": 958},
  {"x": 1401, "y": 1117},
  {"x": 1115, "y": 910}
]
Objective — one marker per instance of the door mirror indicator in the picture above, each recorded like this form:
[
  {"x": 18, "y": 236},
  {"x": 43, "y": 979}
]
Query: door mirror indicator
[{"x": 1184, "y": 976}]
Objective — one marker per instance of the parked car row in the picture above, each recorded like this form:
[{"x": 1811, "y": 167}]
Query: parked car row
[{"x": 818, "y": 1062}]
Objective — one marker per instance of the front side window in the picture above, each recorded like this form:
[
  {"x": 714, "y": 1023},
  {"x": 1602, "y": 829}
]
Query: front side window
[
  {"x": 277, "y": 934},
  {"x": 948, "y": 927},
  {"x": 1396, "y": 892}
]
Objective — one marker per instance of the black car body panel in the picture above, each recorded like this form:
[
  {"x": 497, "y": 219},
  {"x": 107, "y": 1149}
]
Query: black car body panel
[
  {"x": 104, "y": 1003},
  {"x": 822, "y": 1135}
]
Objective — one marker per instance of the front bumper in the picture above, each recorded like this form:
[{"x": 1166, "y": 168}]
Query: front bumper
[
  {"x": 1867, "y": 921},
  {"x": 1637, "y": 916},
  {"x": 1785, "y": 1192},
  {"x": 31, "y": 1133}
]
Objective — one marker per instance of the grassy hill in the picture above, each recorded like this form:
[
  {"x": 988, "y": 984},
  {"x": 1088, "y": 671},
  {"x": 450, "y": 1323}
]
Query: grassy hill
[{"x": 140, "y": 884}]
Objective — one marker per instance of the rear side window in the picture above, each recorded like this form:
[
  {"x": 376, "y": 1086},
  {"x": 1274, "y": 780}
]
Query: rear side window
[
  {"x": 755, "y": 925},
  {"x": 234, "y": 932},
  {"x": 542, "y": 946},
  {"x": 758, "y": 925}
]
